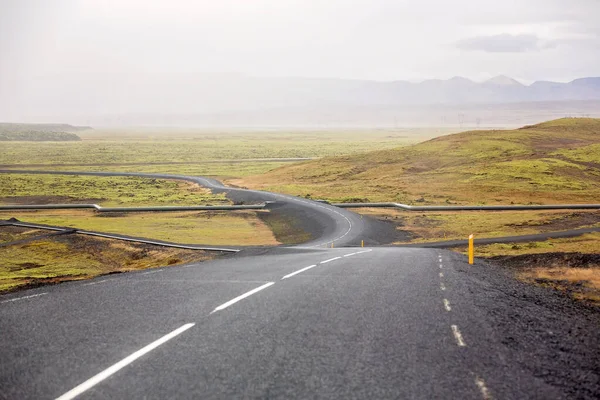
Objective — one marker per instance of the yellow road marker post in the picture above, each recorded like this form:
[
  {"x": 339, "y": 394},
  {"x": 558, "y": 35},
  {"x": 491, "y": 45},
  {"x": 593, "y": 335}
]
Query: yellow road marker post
[
  {"x": 471, "y": 250},
  {"x": 362, "y": 243}
]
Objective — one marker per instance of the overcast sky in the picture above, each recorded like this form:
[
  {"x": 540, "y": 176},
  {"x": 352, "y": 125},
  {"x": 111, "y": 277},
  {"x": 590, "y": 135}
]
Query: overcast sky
[
  {"x": 371, "y": 39},
  {"x": 88, "y": 57}
]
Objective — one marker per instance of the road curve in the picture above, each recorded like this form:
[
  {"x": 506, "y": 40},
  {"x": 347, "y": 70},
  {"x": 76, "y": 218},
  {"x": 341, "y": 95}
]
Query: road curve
[
  {"x": 326, "y": 224},
  {"x": 300, "y": 322}
]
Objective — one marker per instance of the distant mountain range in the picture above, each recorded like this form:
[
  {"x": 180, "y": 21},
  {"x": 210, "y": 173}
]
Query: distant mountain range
[
  {"x": 457, "y": 90},
  {"x": 223, "y": 99}
]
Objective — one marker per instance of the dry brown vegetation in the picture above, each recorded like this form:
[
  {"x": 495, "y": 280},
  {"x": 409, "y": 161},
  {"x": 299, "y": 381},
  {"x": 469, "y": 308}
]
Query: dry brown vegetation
[
  {"x": 76, "y": 257},
  {"x": 12, "y": 233},
  {"x": 571, "y": 265}
]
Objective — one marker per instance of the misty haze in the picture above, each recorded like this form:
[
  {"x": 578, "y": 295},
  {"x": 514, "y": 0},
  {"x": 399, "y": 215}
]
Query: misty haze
[{"x": 281, "y": 199}]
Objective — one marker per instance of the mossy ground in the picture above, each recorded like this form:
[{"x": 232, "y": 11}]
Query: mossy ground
[
  {"x": 12, "y": 233},
  {"x": 553, "y": 162},
  {"x": 75, "y": 257},
  {"x": 106, "y": 191},
  {"x": 242, "y": 228},
  {"x": 436, "y": 226},
  {"x": 146, "y": 146}
]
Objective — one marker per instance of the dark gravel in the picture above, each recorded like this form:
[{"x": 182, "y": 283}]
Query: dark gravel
[{"x": 553, "y": 337}]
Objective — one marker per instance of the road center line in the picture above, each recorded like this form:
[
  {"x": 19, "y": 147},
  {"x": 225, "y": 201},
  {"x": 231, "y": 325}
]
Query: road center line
[
  {"x": 447, "y": 305},
  {"x": 331, "y": 259},
  {"x": 442, "y": 286},
  {"x": 151, "y": 272},
  {"x": 458, "y": 336},
  {"x": 441, "y": 274},
  {"x": 247, "y": 294},
  {"x": 94, "y": 283},
  {"x": 484, "y": 390},
  {"x": 297, "y": 272},
  {"x": 23, "y": 298},
  {"x": 96, "y": 379}
]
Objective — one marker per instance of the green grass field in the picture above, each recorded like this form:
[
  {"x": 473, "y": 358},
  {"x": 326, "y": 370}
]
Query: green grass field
[
  {"x": 195, "y": 146},
  {"x": 553, "y": 162},
  {"x": 243, "y": 228},
  {"x": 107, "y": 191}
]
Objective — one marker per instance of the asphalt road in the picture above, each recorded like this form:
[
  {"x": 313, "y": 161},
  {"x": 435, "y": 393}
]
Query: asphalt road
[
  {"x": 297, "y": 322},
  {"x": 374, "y": 323}
]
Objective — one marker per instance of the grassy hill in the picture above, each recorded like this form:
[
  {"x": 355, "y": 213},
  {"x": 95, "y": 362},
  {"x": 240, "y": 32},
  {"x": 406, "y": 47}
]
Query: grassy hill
[
  {"x": 552, "y": 162},
  {"x": 39, "y": 132}
]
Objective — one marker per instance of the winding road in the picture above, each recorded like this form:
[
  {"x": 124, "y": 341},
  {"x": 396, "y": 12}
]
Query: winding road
[{"x": 302, "y": 321}]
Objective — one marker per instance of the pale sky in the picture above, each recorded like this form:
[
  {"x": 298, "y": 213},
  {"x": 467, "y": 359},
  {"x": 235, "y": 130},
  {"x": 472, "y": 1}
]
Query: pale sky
[
  {"x": 371, "y": 39},
  {"x": 95, "y": 41}
]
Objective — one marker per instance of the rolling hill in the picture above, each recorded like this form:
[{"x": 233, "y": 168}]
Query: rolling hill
[
  {"x": 39, "y": 132},
  {"x": 551, "y": 162}
]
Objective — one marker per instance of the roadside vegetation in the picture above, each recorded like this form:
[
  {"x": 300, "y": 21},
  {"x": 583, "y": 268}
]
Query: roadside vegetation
[
  {"x": 241, "y": 228},
  {"x": 569, "y": 265},
  {"x": 106, "y": 191},
  {"x": 12, "y": 233},
  {"x": 75, "y": 257},
  {"x": 285, "y": 228},
  {"x": 436, "y": 226}
]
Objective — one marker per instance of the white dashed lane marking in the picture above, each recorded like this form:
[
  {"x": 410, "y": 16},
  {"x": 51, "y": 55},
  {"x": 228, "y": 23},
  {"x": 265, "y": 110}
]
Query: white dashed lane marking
[
  {"x": 458, "y": 336},
  {"x": 96, "y": 379},
  {"x": 324, "y": 262},
  {"x": 151, "y": 272},
  {"x": 299, "y": 271},
  {"x": 447, "y": 305},
  {"x": 442, "y": 286},
  {"x": 94, "y": 283},
  {"x": 23, "y": 298},
  {"x": 331, "y": 259},
  {"x": 483, "y": 388},
  {"x": 247, "y": 294}
]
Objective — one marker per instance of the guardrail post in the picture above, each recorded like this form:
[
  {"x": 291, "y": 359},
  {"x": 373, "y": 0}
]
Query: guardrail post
[{"x": 471, "y": 249}]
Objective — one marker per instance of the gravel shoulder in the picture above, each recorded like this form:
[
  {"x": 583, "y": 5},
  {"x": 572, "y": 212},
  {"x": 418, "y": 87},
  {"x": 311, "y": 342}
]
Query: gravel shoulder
[{"x": 552, "y": 336}]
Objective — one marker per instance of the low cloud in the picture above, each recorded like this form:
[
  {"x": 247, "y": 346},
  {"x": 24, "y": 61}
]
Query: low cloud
[{"x": 505, "y": 43}]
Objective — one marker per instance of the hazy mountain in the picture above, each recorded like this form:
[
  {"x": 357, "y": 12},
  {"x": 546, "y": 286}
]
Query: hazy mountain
[
  {"x": 198, "y": 99},
  {"x": 502, "y": 80}
]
